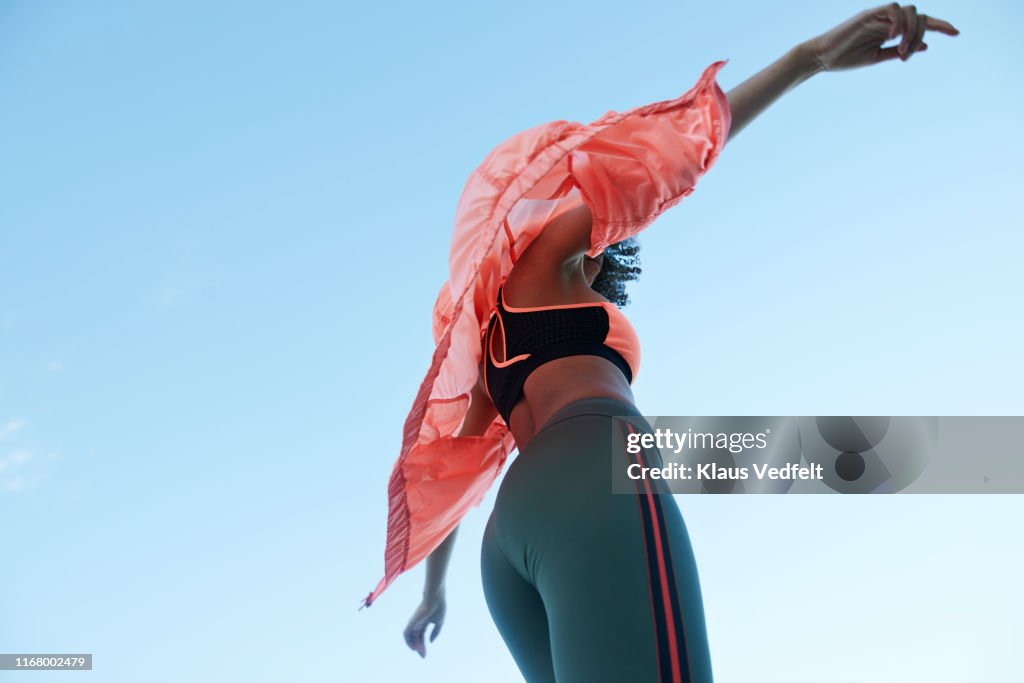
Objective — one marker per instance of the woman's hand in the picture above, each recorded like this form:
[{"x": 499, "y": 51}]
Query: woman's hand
[
  {"x": 858, "y": 42},
  {"x": 430, "y": 611}
]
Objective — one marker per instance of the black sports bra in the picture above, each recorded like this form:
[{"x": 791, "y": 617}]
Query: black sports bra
[{"x": 534, "y": 336}]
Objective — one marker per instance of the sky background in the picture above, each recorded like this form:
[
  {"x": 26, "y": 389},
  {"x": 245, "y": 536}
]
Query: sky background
[{"x": 222, "y": 229}]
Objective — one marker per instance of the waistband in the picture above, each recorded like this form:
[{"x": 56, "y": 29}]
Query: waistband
[{"x": 609, "y": 407}]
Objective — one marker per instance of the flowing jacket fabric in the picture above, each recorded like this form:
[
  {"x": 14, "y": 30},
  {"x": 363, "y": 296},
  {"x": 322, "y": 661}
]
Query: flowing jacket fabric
[{"x": 628, "y": 168}]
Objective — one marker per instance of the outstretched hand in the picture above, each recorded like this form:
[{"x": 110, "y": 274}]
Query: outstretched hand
[{"x": 858, "y": 42}]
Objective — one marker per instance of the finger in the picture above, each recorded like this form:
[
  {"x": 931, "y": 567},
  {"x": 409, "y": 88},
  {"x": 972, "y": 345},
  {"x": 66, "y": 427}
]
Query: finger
[
  {"x": 915, "y": 44},
  {"x": 895, "y": 20},
  {"x": 435, "y": 631},
  {"x": 414, "y": 639},
  {"x": 885, "y": 54},
  {"x": 909, "y": 30},
  {"x": 418, "y": 644},
  {"x": 941, "y": 26}
]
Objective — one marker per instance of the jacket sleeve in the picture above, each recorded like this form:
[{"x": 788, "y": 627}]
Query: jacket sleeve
[{"x": 645, "y": 160}]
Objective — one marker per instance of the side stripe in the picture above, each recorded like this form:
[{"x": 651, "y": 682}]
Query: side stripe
[
  {"x": 677, "y": 614},
  {"x": 665, "y": 596},
  {"x": 661, "y": 642}
]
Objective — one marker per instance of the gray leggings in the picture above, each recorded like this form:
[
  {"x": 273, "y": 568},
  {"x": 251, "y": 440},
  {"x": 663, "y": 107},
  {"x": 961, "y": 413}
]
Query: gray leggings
[{"x": 587, "y": 586}]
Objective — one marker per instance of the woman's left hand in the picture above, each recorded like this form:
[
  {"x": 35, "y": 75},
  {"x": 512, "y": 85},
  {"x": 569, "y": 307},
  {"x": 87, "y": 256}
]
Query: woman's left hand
[{"x": 858, "y": 42}]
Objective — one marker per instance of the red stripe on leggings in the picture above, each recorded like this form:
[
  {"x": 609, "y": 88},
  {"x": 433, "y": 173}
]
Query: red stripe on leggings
[
  {"x": 659, "y": 632},
  {"x": 663, "y": 579}
]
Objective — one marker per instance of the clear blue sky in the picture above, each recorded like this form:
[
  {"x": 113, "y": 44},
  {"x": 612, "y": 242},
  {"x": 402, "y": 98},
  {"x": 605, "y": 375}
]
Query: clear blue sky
[{"x": 222, "y": 228}]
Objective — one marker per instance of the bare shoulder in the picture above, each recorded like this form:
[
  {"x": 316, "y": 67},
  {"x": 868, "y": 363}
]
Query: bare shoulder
[{"x": 569, "y": 233}]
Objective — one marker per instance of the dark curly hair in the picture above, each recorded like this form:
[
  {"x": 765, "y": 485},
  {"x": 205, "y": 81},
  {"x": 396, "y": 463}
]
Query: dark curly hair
[{"x": 621, "y": 265}]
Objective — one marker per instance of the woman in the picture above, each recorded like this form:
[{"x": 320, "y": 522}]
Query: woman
[{"x": 583, "y": 584}]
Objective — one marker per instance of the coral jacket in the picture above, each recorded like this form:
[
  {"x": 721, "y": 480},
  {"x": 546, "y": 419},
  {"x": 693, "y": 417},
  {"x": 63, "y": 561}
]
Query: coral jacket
[{"x": 628, "y": 168}]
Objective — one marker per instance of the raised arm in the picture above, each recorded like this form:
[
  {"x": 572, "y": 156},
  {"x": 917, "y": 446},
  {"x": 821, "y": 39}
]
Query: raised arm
[
  {"x": 431, "y": 609},
  {"x": 854, "y": 43}
]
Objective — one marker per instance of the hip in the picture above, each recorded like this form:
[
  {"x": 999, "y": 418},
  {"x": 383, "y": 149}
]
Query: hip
[{"x": 572, "y": 456}]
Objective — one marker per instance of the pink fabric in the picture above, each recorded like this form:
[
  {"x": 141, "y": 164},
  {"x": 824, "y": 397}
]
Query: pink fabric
[{"x": 628, "y": 168}]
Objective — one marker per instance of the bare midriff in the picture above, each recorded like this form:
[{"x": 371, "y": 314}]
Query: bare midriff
[{"x": 560, "y": 382}]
